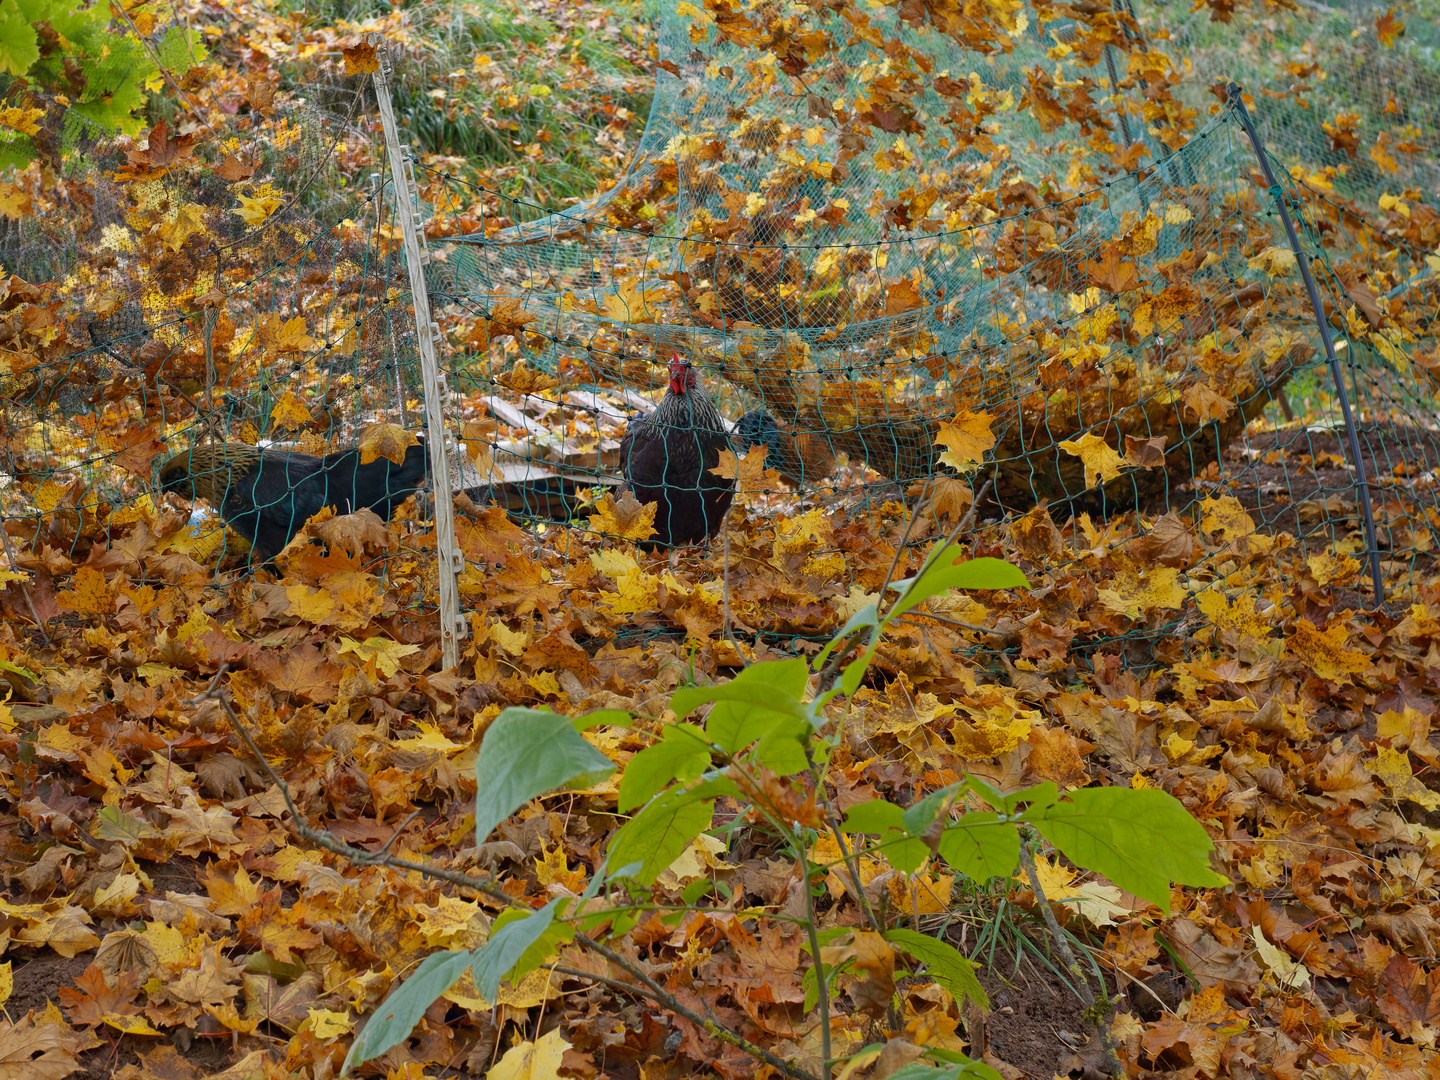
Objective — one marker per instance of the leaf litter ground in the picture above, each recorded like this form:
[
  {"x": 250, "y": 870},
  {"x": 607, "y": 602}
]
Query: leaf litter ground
[{"x": 161, "y": 921}]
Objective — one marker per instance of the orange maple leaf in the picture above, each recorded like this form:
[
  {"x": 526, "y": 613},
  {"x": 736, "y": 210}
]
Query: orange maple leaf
[{"x": 1112, "y": 273}]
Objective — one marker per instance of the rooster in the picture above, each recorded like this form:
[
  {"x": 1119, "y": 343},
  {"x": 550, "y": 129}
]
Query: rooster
[
  {"x": 666, "y": 459},
  {"x": 266, "y": 495},
  {"x": 800, "y": 457}
]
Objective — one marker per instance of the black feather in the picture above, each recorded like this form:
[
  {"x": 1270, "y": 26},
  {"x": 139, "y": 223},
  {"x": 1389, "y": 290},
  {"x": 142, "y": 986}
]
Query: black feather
[
  {"x": 266, "y": 495},
  {"x": 756, "y": 428}
]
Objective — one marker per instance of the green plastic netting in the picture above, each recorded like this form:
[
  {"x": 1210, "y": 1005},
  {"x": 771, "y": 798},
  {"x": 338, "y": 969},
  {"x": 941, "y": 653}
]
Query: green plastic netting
[{"x": 872, "y": 228}]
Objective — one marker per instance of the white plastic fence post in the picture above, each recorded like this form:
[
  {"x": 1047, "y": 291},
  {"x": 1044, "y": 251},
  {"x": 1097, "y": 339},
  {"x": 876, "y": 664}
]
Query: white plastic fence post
[{"x": 437, "y": 394}]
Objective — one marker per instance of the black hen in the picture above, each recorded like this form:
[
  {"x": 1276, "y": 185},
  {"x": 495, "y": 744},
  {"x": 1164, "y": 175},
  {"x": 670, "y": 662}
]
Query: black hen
[
  {"x": 266, "y": 495},
  {"x": 666, "y": 459}
]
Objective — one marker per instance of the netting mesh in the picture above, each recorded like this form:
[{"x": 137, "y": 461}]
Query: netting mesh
[
  {"x": 236, "y": 278},
  {"x": 886, "y": 229},
  {"x": 867, "y": 291}
]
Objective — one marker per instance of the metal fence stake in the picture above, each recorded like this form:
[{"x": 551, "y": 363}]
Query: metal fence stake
[{"x": 1362, "y": 485}]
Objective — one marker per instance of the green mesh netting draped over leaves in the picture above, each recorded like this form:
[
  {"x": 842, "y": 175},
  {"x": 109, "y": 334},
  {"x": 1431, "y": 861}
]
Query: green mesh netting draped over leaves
[
  {"x": 880, "y": 220},
  {"x": 1010, "y": 254}
]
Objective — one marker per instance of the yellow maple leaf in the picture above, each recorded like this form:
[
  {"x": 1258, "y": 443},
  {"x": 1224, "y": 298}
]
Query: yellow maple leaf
[
  {"x": 627, "y": 304},
  {"x": 920, "y": 893},
  {"x": 389, "y": 441},
  {"x": 1099, "y": 457},
  {"x": 1275, "y": 261},
  {"x": 14, "y": 201},
  {"x": 206, "y": 539},
  {"x": 551, "y": 869},
  {"x": 1330, "y": 567},
  {"x": 991, "y": 730},
  {"x": 1393, "y": 767},
  {"x": 48, "y": 496},
  {"x": 1380, "y": 154},
  {"x": 284, "y": 335},
  {"x": 1225, "y": 515},
  {"x": 1205, "y": 403},
  {"x": 1407, "y": 728},
  {"x": 385, "y": 654},
  {"x": 1176, "y": 746},
  {"x": 525, "y": 380},
  {"x": 289, "y": 413},
  {"x": 1288, "y": 971},
  {"x": 316, "y": 607},
  {"x": 59, "y": 739},
  {"x": 25, "y": 121},
  {"x": 328, "y": 1024},
  {"x": 1137, "y": 589},
  {"x": 635, "y": 590},
  {"x": 625, "y": 517},
  {"x": 1239, "y": 616},
  {"x": 256, "y": 210},
  {"x": 1323, "y": 652},
  {"x": 748, "y": 472},
  {"x": 688, "y": 10},
  {"x": 188, "y": 220},
  {"x": 360, "y": 59},
  {"x": 1091, "y": 900},
  {"x": 89, "y": 593},
  {"x": 965, "y": 437}
]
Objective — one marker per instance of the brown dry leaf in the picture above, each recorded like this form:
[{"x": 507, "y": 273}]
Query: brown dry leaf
[
  {"x": 232, "y": 170},
  {"x": 1168, "y": 543},
  {"x": 1205, "y": 1032},
  {"x": 40, "y": 1051},
  {"x": 1213, "y": 963},
  {"x": 196, "y": 829},
  {"x": 1057, "y": 755},
  {"x": 1204, "y": 404},
  {"x": 92, "y": 1002},
  {"x": 874, "y": 959},
  {"x": 352, "y": 533},
  {"x": 162, "y": 150},
  {"x": 1112, "y": 273},
  {"x": 1146, "y": 453},
  {"x": 902, "y": 296},
  {"x": 525, "y": 380},
  {"x": 285, "y": 1006},
  {"x": 950, "y": 497},
  {"x": 137, "y": 448}
]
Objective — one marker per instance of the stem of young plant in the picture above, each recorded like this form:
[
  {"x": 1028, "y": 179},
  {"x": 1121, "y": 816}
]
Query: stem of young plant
[
  {"x": 359, "y": 856},
  {"x": 822, "y": 987},
  {"x": 852, "y": 862},
  {"x": 1067, "y": 957},
  {"x": 729, "y": 628},
  {"x": 842, "y": 648}
]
